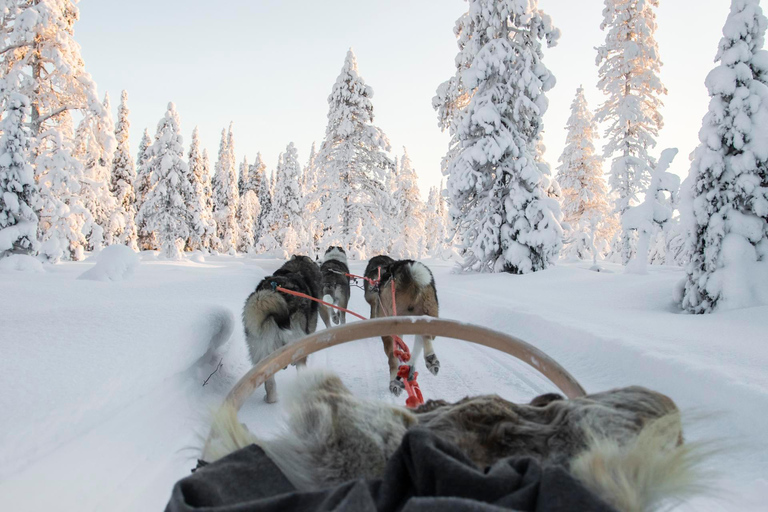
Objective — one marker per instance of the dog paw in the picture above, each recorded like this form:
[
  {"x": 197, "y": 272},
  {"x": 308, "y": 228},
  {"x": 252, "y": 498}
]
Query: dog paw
[
  {"x": 335, "y": 319},
  {"x": 270, "y": 399},
  {"x": 396, "y": 386},
  {"x": 433, "y": 365}
]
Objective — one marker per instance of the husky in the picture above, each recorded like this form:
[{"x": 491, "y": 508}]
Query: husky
[
  {"x": 415, "y": 294},
  {"x": 273, "y": 319},
  {"x": 625, "y": 445},
  {"x": 335, "y": 282}
]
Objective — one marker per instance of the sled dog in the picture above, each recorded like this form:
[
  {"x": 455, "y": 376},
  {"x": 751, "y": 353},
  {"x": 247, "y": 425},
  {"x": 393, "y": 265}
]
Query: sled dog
[
  {"x": 415, "y": 294},
  {"x": 335, "y": 282},
  {"x": 273, "y": 319}
]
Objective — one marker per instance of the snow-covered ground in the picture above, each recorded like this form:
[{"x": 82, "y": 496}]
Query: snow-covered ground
[{"x": 103, "y": 406}]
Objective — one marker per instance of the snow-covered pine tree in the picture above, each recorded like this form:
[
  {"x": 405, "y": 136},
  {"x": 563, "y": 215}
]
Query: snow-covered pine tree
[
  {"x": 310, "y": 204},
  {"x": 411, "y": 218},
  {"x": 243, "y": 180},
  {"x": 225, "y": 194},
  {"x": 124, "y": 177},
  {"x": 726, "y": 208},
  {"x": 287, "y": 201},
  {"x": 165, "y": 210},
  {"x": 247, "y": 213},
  {"x": 580, "y": 174},
  {"x": 352, "y": 164},
  {"x": 257, "y": 185},
  {"x": 494, "y": 107},
  {"x": 146, "y": 239},
  {"x": 629, "y": 66},
  {"x": 203, "y": 226},
  {"x": 431, "y": 223},
  {"x": 19, "y": 195},
  {"x": 95, "y": 147},
  {"x": 41, "y": 60},
  {"x": 654, "y": 212}
]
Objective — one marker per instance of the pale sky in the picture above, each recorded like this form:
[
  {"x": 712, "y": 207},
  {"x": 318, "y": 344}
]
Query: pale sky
[{"x": 269, "y": 65}]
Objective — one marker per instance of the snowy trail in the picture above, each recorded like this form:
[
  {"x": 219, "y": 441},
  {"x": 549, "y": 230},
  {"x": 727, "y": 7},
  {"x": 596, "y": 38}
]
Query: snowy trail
[{"x": 123, "y": 426}]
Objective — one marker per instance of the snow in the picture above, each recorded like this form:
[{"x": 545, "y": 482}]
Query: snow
[
  {"x": 104, "y": 408},
  {"x": 113, "y": 263},
  {"x": 21, "y": 263}
]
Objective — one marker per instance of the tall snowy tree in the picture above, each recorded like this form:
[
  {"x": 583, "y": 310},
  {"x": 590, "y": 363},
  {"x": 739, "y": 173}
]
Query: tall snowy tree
[
  {"x": 726, "y": 208},
  {"x": 41, "y": 60},
  {"x": 124, "y": 177},
  {"x": 580, "y": 174},
  {"x": 629, "y": 66},
  {"x": 247, "y": 213},
  {"x": 243, "y": 180},
  {"x": 146, "y": 239},
  {"x": 165, "y": 210},
  {"x": 95, "y": 146},
  {"x": 410, "y": 243},
  {"x": 352, "y": 162},
  {"x": 494, "y": 107},
  {"x": 225, "y": 193},
  {"x": 286, "y": 204},
  {"x": 203, "y": 226},
  {"x": 654, "y": 212},
  {"x": 19, "y": 195}
]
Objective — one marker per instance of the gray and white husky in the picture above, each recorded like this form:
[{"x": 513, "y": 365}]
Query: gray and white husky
[
  {"x": 273, "y": 319},
  {"x": 335, "y": 282}
]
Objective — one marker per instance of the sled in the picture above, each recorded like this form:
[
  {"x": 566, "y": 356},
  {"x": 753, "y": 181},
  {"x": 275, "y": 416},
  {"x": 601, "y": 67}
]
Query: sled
[{"x": 437, "y": 327}]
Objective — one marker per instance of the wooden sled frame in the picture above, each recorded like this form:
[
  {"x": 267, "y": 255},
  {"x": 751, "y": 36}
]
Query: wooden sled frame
[{"x": 402, "y": 325}]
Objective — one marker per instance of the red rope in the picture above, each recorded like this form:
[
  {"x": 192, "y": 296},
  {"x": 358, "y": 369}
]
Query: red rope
[{"x": 305, "y": 296}]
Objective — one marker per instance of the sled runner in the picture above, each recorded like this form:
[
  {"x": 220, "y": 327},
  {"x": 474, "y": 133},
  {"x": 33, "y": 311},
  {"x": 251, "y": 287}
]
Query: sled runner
[{"x": 403, "y": 326}]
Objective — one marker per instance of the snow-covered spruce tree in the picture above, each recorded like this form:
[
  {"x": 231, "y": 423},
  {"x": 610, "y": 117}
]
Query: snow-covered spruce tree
[
  {"x": 225, "y": 194},
  {"x": 654, "y": 212},
  {"x": 203, "y": 226},
  {"x": 431, "y": 222},
  {"x": 256, "y": 184},
  {"x": 95, "y": 147},
  {"x": 726, "y": 208},
  {"x": 146, "y": 239},
  {"x": 124, "y": 177},
  {"x": 629, "y": 75},
  {"x": 410, "y": 242},
  {"x": 19, "y": 195},
  {"x": 41, "y": 60},
  {"x": 247, "y": 213},
  {"x": 496, "y": 189},
  {"x": 243, "y": 181},
  {"x": 580, "y": 174},
  {"x": 351, "y": 165},
  {"x": 310, "y": 204},
  {"x": 165, "y": 210},
  {"x": 287, "y": 201}
]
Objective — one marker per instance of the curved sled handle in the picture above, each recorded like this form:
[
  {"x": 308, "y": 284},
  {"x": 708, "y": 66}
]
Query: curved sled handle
[{"x": 403, "y": 325}]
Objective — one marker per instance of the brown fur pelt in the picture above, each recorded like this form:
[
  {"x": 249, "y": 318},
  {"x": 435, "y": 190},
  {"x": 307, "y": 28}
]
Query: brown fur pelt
[{"x": 624, "y": 444}]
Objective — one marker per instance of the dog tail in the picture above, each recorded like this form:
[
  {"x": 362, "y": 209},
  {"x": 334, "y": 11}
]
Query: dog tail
[
  {"x": 263, "y": 305},
  {"x": 418, "y": 273},
  {"x": 650, "y": 471},
  {"x": 227, "y": 435}
]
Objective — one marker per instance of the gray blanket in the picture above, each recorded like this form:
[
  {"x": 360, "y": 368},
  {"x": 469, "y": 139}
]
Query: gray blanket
[{"x": 425, "y": 474}]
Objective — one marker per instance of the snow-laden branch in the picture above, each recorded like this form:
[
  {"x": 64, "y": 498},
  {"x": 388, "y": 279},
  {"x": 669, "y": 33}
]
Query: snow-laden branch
[{"x": 14, "y": 47}]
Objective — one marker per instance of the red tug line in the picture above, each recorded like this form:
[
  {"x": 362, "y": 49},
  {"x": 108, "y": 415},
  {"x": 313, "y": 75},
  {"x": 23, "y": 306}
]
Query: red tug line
[{"x": 402, "y": 352}]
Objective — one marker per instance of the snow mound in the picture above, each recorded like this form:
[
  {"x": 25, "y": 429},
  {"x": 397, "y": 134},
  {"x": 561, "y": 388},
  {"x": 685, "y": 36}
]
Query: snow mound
[
  {"x": 149, "y": 255},
  {"x": 114, "y": 263},
  {"x": 197, "y": 257},
  {"x": 21, "y": 263}
]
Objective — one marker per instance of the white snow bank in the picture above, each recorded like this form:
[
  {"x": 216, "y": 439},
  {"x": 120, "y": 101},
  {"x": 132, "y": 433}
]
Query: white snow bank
[
  {"x": 20, "y": 262},
  {"x": 197, "y": 257},
  {"x": 114, "y": 263}
]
